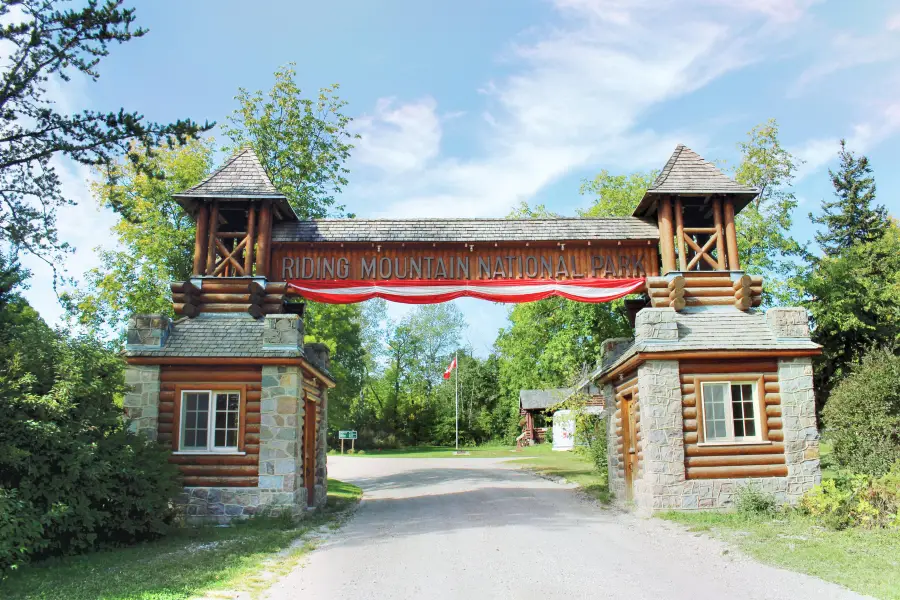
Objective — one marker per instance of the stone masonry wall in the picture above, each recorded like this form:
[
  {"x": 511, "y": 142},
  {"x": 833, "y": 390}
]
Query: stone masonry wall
[
  {"x": 801, "y": 437},
  {"x": 141, "y": 402},
  {"x": 656, "y": 324},
  {"x": 660, "y": 486},
  {"x": 321, "y": 486}
]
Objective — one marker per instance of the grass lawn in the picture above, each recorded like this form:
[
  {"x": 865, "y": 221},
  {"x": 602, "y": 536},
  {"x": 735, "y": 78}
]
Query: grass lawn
[
  {"x": 572, "y": 466},
  {"x": 186, "y": 563},
  {"x": 864, "y": 561}
]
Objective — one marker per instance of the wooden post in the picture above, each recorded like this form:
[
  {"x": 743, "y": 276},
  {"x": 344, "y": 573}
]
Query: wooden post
[
  {"x": 200, "y": 239},
  {"x": 251, "y": 239},
  {"x": 264, "y": 239},
  {"x": 720, "y": 242},
  {"x": 213, "y": 230},
  {"x": 666, "y": 235},
  {"x": 734, "y": 263},
  {"x": 342, "y": 445},
  {"x": 679, "y": 234}
]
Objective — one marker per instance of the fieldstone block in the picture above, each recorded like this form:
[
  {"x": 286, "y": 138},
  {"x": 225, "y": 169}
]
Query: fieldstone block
[
  {"x": 283, "y": 331},
  {"x": 656, "y": 324},
  {"x": 788, "y": 322}
]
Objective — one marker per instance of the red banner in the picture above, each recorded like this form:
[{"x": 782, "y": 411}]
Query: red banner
[{"x": 435, "y": 291}]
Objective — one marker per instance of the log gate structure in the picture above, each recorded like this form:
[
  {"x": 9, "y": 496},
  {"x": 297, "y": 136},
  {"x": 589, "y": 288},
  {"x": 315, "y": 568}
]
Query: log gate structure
[{"x": 708, "y": 395}]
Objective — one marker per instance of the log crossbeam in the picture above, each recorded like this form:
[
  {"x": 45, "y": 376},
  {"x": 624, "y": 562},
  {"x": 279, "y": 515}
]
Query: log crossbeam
[{"x": 228, "y": 257}]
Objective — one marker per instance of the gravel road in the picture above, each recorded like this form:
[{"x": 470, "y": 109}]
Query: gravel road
[{"x": 481, "y": 528}]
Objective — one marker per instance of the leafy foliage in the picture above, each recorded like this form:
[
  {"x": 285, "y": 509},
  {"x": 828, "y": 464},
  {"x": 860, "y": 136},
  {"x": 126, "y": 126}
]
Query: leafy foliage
[
  {"x": 752, "y": 501},
  {"x": 764, "y": 242},
  {"x": 302, "y": 143},
  {"x": 154, "y": 235},
  {"x": 72, "y": 478},
  {"x": 856, "y": 500},
  {"x": 852, "y": 298},
  {"x": 862, "y": 417},
  {"x": 47, "y": 45},
  {"x": 590, "y": 431},
  {"x": 616, "y": 195}
]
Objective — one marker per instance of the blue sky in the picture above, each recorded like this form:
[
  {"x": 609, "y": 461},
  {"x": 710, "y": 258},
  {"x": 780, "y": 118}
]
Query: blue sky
[{"x": 468, "y": 107}]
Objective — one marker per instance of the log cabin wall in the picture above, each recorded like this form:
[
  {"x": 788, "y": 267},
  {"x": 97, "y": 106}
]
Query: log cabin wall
[
  {"x": 629, "y": 468},
  {"x": 208, "y": 469},
  {"x": 728, "y": 461}
]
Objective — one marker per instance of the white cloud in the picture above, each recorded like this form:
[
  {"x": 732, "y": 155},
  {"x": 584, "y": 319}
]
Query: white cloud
[
  {"x": 893, "y": 22},
  {"x": 846, "y": 51},
  {"x": 883, "y": 123},
  {"x": 401, "y": 138},
  {"x": 573, "y": 96}
]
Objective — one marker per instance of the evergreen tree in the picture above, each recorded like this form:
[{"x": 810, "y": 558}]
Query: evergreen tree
[{"x": 851, "y": 218}]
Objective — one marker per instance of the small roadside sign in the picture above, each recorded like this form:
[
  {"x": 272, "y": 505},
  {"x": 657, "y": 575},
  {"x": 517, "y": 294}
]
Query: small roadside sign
[{"x": 347, "y": 434}]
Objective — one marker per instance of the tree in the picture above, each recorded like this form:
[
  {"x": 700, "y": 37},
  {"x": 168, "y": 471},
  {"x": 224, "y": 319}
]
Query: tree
[
  {"x": 48, "y": 44},
  {"x": 524, "y": 211},
  {"x": 852, "y": 299},
  {"x": 764, "y": 243},
  {"x": 616, "y": 195},
  {"x": 851, "y": 218},
  {"x": 154, "y": 235},
  {"x": 302, "y": 143}
]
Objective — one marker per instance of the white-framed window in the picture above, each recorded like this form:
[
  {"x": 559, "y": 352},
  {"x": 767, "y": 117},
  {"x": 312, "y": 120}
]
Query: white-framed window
[
  {"x": 730, "y": 411},
  {"x": 209, "y": 420}
]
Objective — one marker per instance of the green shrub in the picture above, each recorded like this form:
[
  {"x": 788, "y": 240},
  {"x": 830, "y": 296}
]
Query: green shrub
[
  {"x": 856, "y": 501},
  {"x": 751, "y": 501},
  {"x": 72, "y": 478},
  {"x": 862, "y": 416}
]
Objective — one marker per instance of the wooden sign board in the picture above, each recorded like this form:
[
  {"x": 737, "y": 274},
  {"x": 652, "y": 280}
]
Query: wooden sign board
[{"x": 456, "y": 261}]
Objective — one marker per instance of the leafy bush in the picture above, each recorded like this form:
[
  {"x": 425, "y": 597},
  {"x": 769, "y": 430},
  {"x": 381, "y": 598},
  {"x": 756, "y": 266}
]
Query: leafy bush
[
  {"x": 72, "y": 478},
  {"x": 590, "y": 430},
  {"x": 751, "y": 501},
  {"x": 862, "y": 417},
  {"x": 856, "y": 500}
]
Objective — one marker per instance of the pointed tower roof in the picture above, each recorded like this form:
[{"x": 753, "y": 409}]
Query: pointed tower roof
[
  {"x": 688, "y": 174},
  {"x": 242, "y": 177}
]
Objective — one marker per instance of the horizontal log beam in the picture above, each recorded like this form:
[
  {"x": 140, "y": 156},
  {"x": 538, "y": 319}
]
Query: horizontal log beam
[
  {"x": 773, "y": 411},
  {"x": 773, "y": 386},
  {"x": 695, "y": 450},
  {"x": 776, "y": 435},
  {"x": 235, "y": 459},
  {"x": 736, "y": 472},
  {"x": 773, "y": 399},
  {"x": 773, "y": 423},
  {"x": 734, "y": 460},
  {"x": 210, "y": 376}
]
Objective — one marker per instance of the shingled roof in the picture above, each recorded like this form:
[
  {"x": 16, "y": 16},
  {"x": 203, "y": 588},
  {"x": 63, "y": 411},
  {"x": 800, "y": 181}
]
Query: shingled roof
[
  {"x": 242, "y": 177},
  {"x": 465, "y": 230},
  {"x": 712, "y": 330},
  {"x": 216, "y": 335},
  {"x": 541, "y": 399},
  {"x": 688, "y": 173}
]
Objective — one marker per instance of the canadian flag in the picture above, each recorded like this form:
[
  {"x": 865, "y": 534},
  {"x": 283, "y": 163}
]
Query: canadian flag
[{"x": 450, "y": 369}]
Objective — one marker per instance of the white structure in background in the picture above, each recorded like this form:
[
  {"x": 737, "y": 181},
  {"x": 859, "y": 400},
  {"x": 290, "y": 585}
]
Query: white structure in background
[{"x": 563, "y": 430}]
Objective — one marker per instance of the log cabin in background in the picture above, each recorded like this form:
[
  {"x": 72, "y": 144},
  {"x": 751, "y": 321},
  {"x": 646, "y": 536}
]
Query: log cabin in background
[{"x": 708, "y": 395}]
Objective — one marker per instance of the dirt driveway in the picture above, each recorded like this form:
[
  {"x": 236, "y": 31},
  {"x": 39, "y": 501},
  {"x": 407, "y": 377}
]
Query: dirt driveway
[{"x": 481, "y": 528}]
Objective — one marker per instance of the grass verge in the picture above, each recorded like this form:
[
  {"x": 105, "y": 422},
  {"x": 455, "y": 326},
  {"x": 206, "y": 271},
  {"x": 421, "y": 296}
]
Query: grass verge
[
  {"x": 189, "y": 562},
  {"x": 866, "y": 561},
  {"x": 571, "y": 466}
]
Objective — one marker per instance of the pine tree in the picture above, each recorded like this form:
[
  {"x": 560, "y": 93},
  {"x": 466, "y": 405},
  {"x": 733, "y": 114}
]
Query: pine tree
[{"x": 853, "y": 217}]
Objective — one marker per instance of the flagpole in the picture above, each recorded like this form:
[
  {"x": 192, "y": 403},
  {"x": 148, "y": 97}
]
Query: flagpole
[{"x": 456, "y": 360}]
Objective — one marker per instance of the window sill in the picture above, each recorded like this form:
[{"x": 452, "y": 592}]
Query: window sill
[
  {"x": 736, "y": 443},
  {"x": 207, "y": 453}
]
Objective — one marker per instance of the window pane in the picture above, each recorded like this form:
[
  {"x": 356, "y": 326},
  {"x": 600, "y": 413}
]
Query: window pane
[
  {"x": 190, "y": 438},
  {"x": 714, "y": 410},
  {"x": 203, "y": 402},
  {"x": 226, "y": 419},
  {"x": 743, "y": 410}
]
